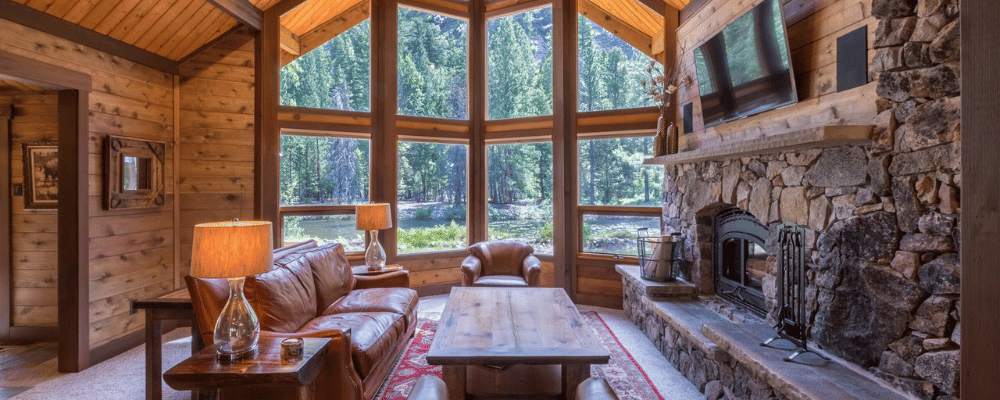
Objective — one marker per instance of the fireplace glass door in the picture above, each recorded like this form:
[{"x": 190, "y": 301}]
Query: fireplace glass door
[{"x": 740, "y": 259}]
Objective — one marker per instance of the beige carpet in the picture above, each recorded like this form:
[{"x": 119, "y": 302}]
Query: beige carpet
[{"x": 123, "y": 377}]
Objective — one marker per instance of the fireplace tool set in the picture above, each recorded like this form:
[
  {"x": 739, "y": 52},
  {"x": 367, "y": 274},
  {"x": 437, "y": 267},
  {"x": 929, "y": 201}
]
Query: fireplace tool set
[{"x": 791, "y": 297}]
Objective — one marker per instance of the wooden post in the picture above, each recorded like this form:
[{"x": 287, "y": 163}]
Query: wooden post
[
  {"x": 565, "y": 186},
  {"x": 267, "y": 137},
  {"x": 6, "y": 111},
  {"x": 178, "y": 278},
  {"x": 384, "y": 146},
  {"x": 671, "y": 58},
  {"x": 74, "y": 231},
  {"x": 980, "y": 220},
  {"x": 477, "y": 172}
]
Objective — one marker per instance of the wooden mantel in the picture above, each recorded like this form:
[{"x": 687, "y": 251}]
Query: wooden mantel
[{"x": 809, "y": 138}]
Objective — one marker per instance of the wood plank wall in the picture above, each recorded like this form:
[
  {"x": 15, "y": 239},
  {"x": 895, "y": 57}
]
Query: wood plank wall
[
  {"x": 216, "y": 180},
  {"x": 34, "y": 253},
  {"x": 128, "y": 249},
  {"x": 813, "y": 29}
]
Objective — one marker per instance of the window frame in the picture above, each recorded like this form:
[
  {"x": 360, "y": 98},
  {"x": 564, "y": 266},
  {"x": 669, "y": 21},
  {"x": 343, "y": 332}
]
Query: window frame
[
  {"x": 520, "y": 139},
  {"x": 625, "y": 211},
  {"x": 468, "y": 230},
  {"x": 321, "y": 210}
]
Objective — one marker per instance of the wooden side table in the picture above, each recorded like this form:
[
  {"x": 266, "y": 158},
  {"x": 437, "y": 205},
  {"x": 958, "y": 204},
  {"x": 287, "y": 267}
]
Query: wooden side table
[
  {"x": 204, "y": 373},
  {"x": 363, "y": 270},
  {"x": 175, "y": 305}
]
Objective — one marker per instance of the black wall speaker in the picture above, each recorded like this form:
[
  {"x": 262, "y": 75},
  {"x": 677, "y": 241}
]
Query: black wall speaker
[
  {"x": 852, "y": 59},
  {"x": 688, "y": 118}
]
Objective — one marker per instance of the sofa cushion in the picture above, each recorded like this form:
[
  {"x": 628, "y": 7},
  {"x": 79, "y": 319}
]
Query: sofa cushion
[
  {"x": 501, "y": 281},
  {"x": 331, "y": 272},
  {"x": 397, "y": 300},
  {"x": 283, "y": 298},
  {"x": 291, "y": 249},
  {"x": 374, "y": 335},
  {"x": 501, "y": 257}
]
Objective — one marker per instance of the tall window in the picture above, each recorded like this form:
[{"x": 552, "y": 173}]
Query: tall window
[
  {"x": 431, "y": 197},
  {"x": 519, "y": 65},
  {"x": 336, "y": 75},
  {"x": 520, "y": 194},
  {"x": 611, "y": 71},
  {"x": 433, "y": 65},
  {"x": 322, "y": 178},
  {"x": 618, "y": 194}
]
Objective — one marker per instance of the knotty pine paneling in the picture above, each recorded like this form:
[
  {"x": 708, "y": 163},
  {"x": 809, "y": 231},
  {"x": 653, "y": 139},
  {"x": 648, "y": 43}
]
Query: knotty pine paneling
[
  {"x": 216, "y": 150},
  {"x": 131, "y": 251},
  {"x": 813, "y": 29},
  {"x": 34, "y": 280}
]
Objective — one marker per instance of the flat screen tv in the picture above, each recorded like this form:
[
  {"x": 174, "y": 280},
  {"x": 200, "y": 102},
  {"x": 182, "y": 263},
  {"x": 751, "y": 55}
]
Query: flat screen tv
[{"x": 746, "y": 69}]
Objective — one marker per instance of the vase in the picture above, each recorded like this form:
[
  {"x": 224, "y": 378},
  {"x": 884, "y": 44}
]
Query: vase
[
  {"x": 672, "y": 139},
  {"x": 660, "y": 140}
]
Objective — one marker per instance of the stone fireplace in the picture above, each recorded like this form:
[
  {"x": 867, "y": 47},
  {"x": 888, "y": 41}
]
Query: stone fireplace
[{"x": 881, "y": 221}]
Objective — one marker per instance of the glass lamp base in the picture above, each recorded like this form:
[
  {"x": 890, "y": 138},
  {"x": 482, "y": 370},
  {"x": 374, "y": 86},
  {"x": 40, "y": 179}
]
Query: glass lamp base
[
  {"x": 230, "y": 357},
  {"x": 237, "y": 330},
  {"x": 375, "y": 256}
]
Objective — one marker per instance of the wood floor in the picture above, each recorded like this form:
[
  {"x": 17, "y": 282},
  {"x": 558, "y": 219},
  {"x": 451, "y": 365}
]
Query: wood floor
[{"x": 24, "y": 366}]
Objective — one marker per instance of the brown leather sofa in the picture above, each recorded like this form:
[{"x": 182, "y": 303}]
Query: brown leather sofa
[
  {"x": 311, "y": 292},
  {"x": 502, "y": 263}
]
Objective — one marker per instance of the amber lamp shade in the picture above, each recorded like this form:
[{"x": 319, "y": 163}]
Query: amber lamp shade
[
  {"x": 233, "y": 250},
  {"x": 372, "y": 217}
]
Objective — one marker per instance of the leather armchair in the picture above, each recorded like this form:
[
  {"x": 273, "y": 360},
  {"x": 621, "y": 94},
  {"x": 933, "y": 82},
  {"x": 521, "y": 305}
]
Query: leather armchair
[{"x": 502, "y": 263}]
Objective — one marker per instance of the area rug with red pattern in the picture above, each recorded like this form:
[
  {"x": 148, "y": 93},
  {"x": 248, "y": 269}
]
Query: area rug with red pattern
[{"x": 622, "y": 372}]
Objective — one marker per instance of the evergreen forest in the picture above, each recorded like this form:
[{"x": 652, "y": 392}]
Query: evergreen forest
[{"x": 432, "y": 180}]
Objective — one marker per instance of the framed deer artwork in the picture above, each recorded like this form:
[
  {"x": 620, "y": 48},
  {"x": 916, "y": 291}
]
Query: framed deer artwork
[{"x": 41, "y": 175}]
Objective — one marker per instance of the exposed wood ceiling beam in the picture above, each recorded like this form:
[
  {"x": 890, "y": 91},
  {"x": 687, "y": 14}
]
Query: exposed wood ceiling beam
[
  {"x": 658, "y": 42},
  {"x": 443, "y": 7},
  {"x": 505, "y": 8},
  {"x": 619, "y": 28},
  {"x": 210, "y": 44},
  {"x": 658, "y": 6},
  {"x": 242, "y": 10},
  {"x": 290, "y": 43},
  {"x": 284, "y": 6},
  {"x": 333, "y": 27},
  {"x": 52, "y": 25}
]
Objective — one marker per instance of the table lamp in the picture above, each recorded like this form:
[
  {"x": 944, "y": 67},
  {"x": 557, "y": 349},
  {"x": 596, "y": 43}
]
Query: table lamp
[
  {"x": 233, "y": 250},
  {"x": 372, "y": 217}
]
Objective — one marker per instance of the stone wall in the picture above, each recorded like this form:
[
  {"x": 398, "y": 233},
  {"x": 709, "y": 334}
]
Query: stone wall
[{"x": 882, "y": 220}]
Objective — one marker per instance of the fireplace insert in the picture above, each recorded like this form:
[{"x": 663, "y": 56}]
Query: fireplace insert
[{"x": 740, "y": 259}]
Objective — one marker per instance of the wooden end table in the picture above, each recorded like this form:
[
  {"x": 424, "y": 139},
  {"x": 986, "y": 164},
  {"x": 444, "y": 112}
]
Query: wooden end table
[
  {"x": 363, "y": 270},
  {"x": 532, "y": 329},
  {"x": 204, "y": 373},
  {"x": 175, "y": 305}
]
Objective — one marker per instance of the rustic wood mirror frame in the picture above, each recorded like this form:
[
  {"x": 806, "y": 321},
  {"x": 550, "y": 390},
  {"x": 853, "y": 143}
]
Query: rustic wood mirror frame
[{"x": 116, "y": 197}]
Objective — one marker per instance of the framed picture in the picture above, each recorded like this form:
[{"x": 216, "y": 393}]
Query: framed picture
[{"x": 41, "y": 175}]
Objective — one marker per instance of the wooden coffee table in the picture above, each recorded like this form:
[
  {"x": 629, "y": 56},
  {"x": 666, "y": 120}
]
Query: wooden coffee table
[
  {"x": 513, "y": 327},
  {"x": 202, "y": 372}
]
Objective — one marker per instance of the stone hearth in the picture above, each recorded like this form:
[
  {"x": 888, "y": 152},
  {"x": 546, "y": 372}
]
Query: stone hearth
[{"x": 882, "y": 220}]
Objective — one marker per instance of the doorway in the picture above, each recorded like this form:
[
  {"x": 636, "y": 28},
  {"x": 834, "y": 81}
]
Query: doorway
[{"x": 69, "y": 110}]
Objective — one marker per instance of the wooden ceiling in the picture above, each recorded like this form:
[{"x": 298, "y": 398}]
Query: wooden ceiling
[
  {"x": 632, "y": 13},
  {"x": 169, "y": 28},
  {"x": 173, "y": 29}
]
